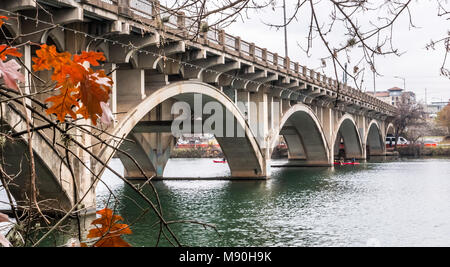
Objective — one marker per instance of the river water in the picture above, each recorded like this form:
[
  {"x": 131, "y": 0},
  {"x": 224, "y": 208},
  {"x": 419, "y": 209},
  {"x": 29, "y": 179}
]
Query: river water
[{"x": 404, "y": 202}]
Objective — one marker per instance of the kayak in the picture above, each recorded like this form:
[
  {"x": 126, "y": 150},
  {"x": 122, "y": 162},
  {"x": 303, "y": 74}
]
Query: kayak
[
  {"x": 219, "y": 161},
  {"x": 346, "y": 163}
]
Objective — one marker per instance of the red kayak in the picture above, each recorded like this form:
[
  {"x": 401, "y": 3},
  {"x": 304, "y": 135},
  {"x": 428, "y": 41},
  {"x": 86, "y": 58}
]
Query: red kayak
[
  {"x": 219, "y": 161},
  {"x": 346, "y": 163}
]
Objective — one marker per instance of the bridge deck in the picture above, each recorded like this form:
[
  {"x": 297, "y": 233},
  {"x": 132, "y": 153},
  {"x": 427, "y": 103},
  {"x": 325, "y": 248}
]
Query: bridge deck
[{"x": 143, "y": 16}]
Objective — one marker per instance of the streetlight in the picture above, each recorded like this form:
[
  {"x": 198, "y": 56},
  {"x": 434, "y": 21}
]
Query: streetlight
[
  {"x": 404, "y": 81},
  {"x": 285, "y": 30}
]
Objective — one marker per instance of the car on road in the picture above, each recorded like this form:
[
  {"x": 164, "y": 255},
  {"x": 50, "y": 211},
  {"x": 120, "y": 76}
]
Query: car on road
[{"x": 390, "y": 141}]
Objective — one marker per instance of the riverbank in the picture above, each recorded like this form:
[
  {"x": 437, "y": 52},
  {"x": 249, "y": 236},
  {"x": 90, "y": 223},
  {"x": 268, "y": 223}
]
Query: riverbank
[
  {"x": 212, "y": 152},
  {"x": 198, "y": 152},
  {"x": 417, "y": 151}
]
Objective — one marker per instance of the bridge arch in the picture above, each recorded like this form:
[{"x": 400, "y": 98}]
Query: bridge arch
[
  {"x": 374, "y": 140},
  {"x": 54, "y": 36},
  {"x": 53, "y": 178},
  {"x": 244, "y": 156},
  {"x": 347, "y": 131},
  {"x": 10, "y": 30},
  {"x": 304, "y": 136},
  {"x": 390, "y": 129}
]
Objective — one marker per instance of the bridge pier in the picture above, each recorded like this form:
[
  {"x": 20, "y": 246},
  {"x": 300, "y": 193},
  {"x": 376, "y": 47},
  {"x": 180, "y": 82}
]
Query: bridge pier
[
  {"x": 243, "y": 103},
  {"x": 295, "y": 145},
  {"x": 85, "y": 186},
  {"x": 259, "y": 119}
]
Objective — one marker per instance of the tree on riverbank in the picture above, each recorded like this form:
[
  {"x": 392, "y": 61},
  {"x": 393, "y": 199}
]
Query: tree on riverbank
[
  {"x": 443, "y": 118},
  {"x": 409, "y": 115}
]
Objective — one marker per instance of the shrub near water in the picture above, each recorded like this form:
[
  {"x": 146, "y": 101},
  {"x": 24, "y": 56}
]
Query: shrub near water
[
  {"x": 196, "y": 153},
  {"x": 414, "y": 150}
]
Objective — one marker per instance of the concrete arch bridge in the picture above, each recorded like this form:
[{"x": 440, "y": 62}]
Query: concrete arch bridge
[{"x": 243, "y": 94}]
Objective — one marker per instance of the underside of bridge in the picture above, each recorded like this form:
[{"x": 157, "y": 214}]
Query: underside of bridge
[
  {"x": 348, "y": 144},
  {"x": 53, "y": 182},
  {"x": 304, "y": 137},
  {"x": 375, "y": 142},
  {"x": 186, "y": 107}
]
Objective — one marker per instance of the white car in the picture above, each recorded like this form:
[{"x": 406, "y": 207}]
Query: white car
[{"x": 390, "y": 140}]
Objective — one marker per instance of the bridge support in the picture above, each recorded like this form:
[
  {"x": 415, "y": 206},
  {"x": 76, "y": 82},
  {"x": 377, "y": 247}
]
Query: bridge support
[{"x": 150, "y": 143}]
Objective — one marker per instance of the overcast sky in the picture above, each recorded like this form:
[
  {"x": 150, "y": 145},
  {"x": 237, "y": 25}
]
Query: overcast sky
[{"x": 420, "y": 67}]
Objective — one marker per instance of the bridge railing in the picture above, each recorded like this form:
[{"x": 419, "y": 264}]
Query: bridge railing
[{"x": 178, "y": 23}]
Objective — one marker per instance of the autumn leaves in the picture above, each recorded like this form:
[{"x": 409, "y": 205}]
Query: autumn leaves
[
  {"x": 81, "y": 90},
  {"x": 107, "y": 231},
  {"x": 79, "y": 85}
]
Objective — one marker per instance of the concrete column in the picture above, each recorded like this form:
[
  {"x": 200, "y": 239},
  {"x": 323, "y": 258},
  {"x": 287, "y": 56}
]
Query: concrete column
[
  {"x": 136, "y": 148},
  {"x": 362, "y": 132},
  {"x": 285, "y": 105},
  {"x": 243, "y": 102},
  {"x": 276, "y": 115},
  {"x": 320, "y": 115},
  {"x": 83, "y": 175},
  {"x": 295, "y": 145},
  {"x": 158, "y": 146},
  {"x": 264, "y": 116},
  {"x": 270, "y": 112},
  {"x": 254, "y": 115},
  {"x": 327, "y": 124},
  {"x": 113, "y": 97},
  {"x": 130, "y": 88},
  {"x": 166, "y": 140},
  {"x": 259, "y": 121}
]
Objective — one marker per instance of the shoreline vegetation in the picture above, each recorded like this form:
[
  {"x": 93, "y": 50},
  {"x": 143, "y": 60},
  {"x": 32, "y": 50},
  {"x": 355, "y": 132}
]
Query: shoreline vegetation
[
  {"x": 403, "y": 151},
  {"x": 213, "y": 152},
  {"x": 419, "y": 150},
  {"x": 197, "y": 152}
]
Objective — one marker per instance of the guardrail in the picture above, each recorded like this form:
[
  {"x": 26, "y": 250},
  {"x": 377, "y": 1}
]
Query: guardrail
[{"x": 178, "y": 23}]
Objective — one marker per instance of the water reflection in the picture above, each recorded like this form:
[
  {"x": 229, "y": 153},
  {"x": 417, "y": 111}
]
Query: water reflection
[{"x": 397, "y": 203}]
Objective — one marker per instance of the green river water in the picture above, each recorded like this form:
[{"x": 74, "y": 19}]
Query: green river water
[{"x": 404, "y": 202}]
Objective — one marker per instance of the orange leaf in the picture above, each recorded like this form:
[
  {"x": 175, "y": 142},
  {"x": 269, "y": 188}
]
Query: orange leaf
[
  {"x": 49, "y": 58},
  {"x": 7, "y": 50},
  {"x": 91, "y": 57},
  {"x": 92, "y": 92},
  {"x": 1, "y": 20},
  {"x": 81, "y": 87},
  {"x": 109, "y": 231},
  {"x": 64, "y": 102}
]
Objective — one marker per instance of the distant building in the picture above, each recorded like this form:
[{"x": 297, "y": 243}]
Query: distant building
[
  {"x": 394, "y": 95},
  {"x": 433, "y": 109}
]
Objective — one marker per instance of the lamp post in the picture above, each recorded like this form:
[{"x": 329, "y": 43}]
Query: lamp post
[
  {"x": 404, "y": 81},
  {"x": 285, "y": 30}
]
